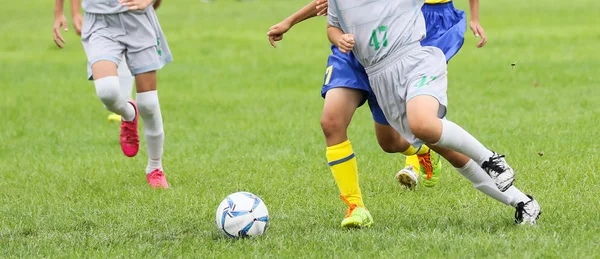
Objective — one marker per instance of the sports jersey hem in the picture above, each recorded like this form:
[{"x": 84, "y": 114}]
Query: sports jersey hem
[{"x": 392, "y": 58}]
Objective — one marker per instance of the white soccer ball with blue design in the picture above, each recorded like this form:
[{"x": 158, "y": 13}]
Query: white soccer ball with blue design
[{"x": 242, "y": 214}]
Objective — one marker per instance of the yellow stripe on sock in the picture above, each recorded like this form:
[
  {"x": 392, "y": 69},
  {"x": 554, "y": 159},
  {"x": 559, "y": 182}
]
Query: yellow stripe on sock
[
  {"x": 414, "y": 151},
  {"x": 342, "y": 162}
]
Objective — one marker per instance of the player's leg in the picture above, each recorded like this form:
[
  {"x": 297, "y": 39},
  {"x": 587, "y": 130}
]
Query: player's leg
[
  {"x": 344, "y": 92},
  {"x": 106, "y": 82},
  {"x": 144, "y": 62},
  {"x": 340, "y": 105},
  {"x": 149, "y": 107},
  {"x": 419, "y": 161},
  {"x": 126, "y": 81},
  {"x": 527, "y": 208},
  {"x": 422, "y": 111},
  {"x": 104, "y": 53},
  {"x": 427, "y": 100},
  {"x": 426, "y": 104}
]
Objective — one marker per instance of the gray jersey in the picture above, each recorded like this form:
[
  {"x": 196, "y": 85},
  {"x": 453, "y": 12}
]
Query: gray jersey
[
  {"x": 380, "y": 27},
  {"x": 105, "y": 7}
]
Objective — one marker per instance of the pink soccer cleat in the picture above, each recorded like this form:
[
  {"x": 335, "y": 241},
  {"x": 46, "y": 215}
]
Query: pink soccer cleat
[
  {"x": 157, "y": 179},
  {"x": 130, "y": 141}
]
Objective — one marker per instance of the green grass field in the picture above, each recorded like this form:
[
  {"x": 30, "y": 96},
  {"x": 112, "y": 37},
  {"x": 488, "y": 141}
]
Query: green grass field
[{"x": 240, "y": 115}]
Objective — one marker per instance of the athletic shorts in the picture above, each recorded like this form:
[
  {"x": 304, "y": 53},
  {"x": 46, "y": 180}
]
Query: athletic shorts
[
  {"x": 138, "y": 36},
  {"x": 445, "y": 26},
  {"x": 344, "y": 70},
  {"x": 404, "y": 75}
]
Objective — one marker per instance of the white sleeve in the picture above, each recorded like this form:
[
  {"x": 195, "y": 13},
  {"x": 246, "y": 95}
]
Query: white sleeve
[{"x": 332, "y": 14}]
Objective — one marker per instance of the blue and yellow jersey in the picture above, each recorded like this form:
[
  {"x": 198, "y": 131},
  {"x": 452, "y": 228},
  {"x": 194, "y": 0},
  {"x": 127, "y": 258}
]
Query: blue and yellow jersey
[{"x": 436, "y": 1}]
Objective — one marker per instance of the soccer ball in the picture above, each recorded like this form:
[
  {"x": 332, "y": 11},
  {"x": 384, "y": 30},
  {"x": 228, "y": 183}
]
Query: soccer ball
[{"x": 242, "y": 214}]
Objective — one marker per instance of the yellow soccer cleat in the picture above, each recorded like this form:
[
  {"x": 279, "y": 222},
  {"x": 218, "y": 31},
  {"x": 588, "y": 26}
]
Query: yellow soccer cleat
[
  {"x": 113, "y": 117},
  {"x": 356, "y": 217}
]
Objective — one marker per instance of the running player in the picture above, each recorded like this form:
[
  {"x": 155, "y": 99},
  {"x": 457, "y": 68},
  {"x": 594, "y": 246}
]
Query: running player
[
  {"x": 125, "y": 78},
  {"x": 410, "y": 83},
  {"x": 345, "y": 89},
  {"x": 110, "y": 30}
]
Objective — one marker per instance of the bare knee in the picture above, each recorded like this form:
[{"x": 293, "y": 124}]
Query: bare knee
[
  {"x": 333, "y": 126},
  {"x": 422, "y": 115},
  {"x": 427, "y": 129}
]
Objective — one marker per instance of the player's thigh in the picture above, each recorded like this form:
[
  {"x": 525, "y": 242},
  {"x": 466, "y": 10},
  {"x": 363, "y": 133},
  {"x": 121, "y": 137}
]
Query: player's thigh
[
  {"x": 145, "y": 82},
  {"x": 340, "y": 105},
  {"x": 426, "y": 88},
  {"x": 102, "y": 50},
  {"x": 103, "y": 56},
  {"x": 104, "y": 68}
]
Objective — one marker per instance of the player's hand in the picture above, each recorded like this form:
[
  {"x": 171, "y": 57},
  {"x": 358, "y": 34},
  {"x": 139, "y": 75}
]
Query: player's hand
[
  {"x": 322, "y": 7},
  {"x": 60, "y": 22},
  {"x": 136, "y": 4},
  {"x": 77, "y": 23},
  {"x": 479, "y": 32},
  {"x": 346, "y": 43},
  {"x": 276, "y": 32}
]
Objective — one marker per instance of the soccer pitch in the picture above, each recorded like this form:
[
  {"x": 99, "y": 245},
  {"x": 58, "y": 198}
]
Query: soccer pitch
[{"x": 242, "y": 116}]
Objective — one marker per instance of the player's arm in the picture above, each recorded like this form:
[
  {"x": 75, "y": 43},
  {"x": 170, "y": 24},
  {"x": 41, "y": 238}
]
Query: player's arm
[
  {"x": 344, "y": 42},
  {"x": 474, "y": 24},
  {"x": 76, "y": 15},
  {"x": 310, "y": 10},
  {"x": 337, "y": 36},
  {"x": 60, "y": 22}
]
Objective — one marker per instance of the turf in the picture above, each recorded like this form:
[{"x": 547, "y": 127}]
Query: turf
[{"x": 240, "y": 115}]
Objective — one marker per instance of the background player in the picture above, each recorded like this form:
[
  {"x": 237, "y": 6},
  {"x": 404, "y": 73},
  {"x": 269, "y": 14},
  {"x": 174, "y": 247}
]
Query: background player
[
  {"x": 410, "y": 82},
  {"x": 130, "y": 28},
  {"x": 345, "y": 89},
  {"x": 126, "y": 80}
]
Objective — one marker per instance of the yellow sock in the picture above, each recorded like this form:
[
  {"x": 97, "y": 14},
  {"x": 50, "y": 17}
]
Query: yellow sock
[
  {"x": 412, "y": 159},
  {"x": 344, "y": 168},
  {"x": 414, "y": 151}
]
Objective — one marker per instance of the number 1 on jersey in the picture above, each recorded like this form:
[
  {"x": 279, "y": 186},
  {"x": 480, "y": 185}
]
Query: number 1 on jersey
[{"x": 328, "y": 74}]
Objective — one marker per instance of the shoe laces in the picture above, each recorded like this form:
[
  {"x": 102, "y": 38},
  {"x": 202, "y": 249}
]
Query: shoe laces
[
  {"x": 351, "y": 206},
  {"x": 127, "y": 132},
  {"x": 519, "y": 212},
  {"x": 425, "y": 161},
  {"x": 494, "y": 164},
  {"x": 156, "y": 174}
]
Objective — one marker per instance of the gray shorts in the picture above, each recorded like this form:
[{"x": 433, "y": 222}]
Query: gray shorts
[
  {"x": 138, "y": 36},
  {"x": 397, "y": 79}
]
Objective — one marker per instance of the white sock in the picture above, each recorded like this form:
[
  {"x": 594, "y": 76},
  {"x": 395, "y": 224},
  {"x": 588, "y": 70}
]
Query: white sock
[
  {"x": 483, "y": 182},
  {"x": 153, "y": 128},
  {"x": 516, "y": 196},
  {"x": 126, "y": 80},
  {"x": 107, "y": 89},
  {"x": 456, "y": 138}
]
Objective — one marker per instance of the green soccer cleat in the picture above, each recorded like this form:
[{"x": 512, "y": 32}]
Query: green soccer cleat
[
  {"x": 431, "y": 168},
  {"x": 356, "y": 217}
]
